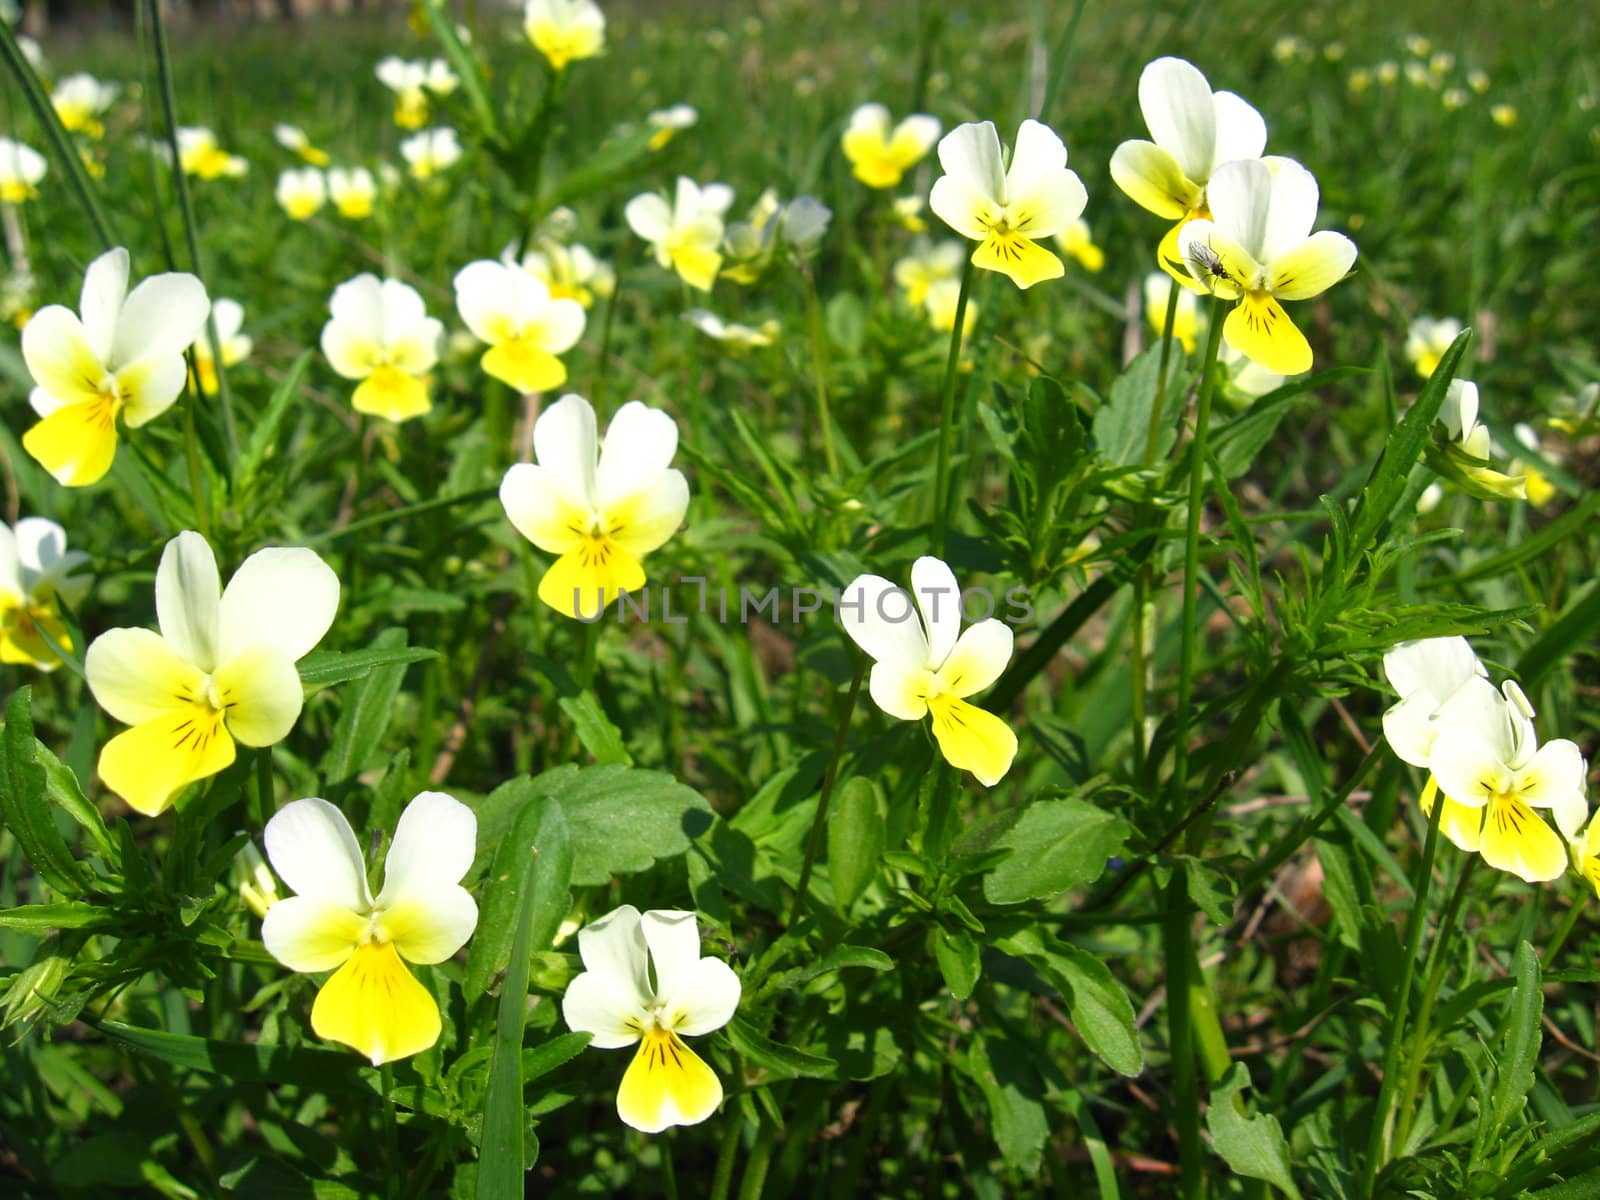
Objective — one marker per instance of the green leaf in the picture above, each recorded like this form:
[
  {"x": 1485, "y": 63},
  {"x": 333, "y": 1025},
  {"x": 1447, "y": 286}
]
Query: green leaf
[
  {"x": 1519, "y": 1048},
  {"x": 542, "y": 858},
  {"x": 45, "y": 918},
  {"x": 1574, "y": 628},
  {"x": 599, "y": 736},
  {"x": 367, "y": 711},
  {"x": 1251, "y": 1146},
  {"x": 322, "y": 669},
  {"x": 623, "y": 819},
  {"x": 1122, "y": 425},
  {"x": 1213, "y": 893},
  {"x": 1099, "y": 1006},
  {"x": 1011, "y": 1087},
  {"x": 855, "y": 840},
  {"x": 960, "y": 960},
  {"x": 559, "y": 1050},
  {"x": 24, "y": 801},
  {"x": 285, "y": 395},
  {"x": 239, "y": 1062},
  {"x": 786, "y": 1062},
  {"x": 1056, "y": 845},
  {"x": 62, "y": 786}
]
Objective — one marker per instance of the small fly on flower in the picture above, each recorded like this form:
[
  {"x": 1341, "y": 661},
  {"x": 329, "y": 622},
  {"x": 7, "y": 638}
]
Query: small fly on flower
[{"x": 1209, "y": 266}]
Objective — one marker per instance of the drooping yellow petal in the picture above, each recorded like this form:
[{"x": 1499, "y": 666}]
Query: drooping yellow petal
[
  {"x": 376, "y": 1006},
  {"x": 583, "y": 581},
  {"x": 525, "y": 366},
  {"x": 391, "y": 394},
  {"x": 1259, "y": 329},
  {"x": 151, "y": 763},
  {"x": 77, "y": 443},
  {"x": 1515, "y": 839},
  {"x": 972, "y": 739},
  {"x": 1459, "y": 823},
  {"x": 874, "y": 161},
  {"x": 667, "y": 1084},
  {"x": 697, "y": 264},
  {"x": 1022, "y": 259},
  {"x": 1154, "y": 179},
  {"x": 1170, "y": 258},
  {"x": 20, "y": 638}
]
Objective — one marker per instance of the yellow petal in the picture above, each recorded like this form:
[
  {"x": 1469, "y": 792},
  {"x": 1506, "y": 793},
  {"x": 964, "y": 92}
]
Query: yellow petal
[
  {"x": 1170, "y": 259},
  {"x": 1153, "y": 179},
  {"x": 1259, "y": 329},
  {"x": 667, "y": 1084},
  {"x": 77, "y": 443},
  {"x": 1515, "y": 839},
  {"x": 1022, "y": 259},
  {"x": 391, "y": 394},
  {"x": 524, "y": 366},
  {"x": 1459, "y": 823},
  {"x": 583, "y": 581},
  {"x": 697, "y": 264},
  {"x": 261, "y": 695},
  {"x": 151, "y": 763},
  {"x": 972, "y": 739},
  {"x": 21, "y": 642},
  {"x": 376, "y": 1006}
]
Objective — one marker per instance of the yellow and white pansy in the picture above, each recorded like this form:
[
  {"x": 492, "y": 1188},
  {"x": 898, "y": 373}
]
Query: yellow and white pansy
[
  {"x": 732, "y": 334},
  {"x": 1257, "y": 248},
  {"x": 38, "y": 574},
  {"x": 881, "y": 152},
  {"x": 381, "y": 334},
  {"x": 599, "y": 508},
  {"x": 940, "y": 302},
  {"x": 1539, "y": 488},
  {"x": 422, "y": 915},
  {"x": 524, "y": 326},
  {"x": 668, "y": 122},
  {"x": 924, "y": 664},
  {"x": 411, "y": 81},
  {"x": 685, "y": 235},
  {"x": 1425, "y": 673},
  {"x": 236, "y": 344},
  {"x": 21, "y": 169},
  {"x": 121, "y": 355},
  {"x": 301, "y": 192},
  {"x": 81, "y": 101},
  {"x": 431, "y": 151},
  {"x": 907, "y": 213},
  {"x": 1077, "y": 243},
  {"x": 200, "y": 155},
  {"x": 1244, "y": 379},
  {"x": 927, "y": 264},
  {"x": 1008, "y": 211},
  {"x": 221, "y": 669},
  {"x": 644, "y": 981},
  {"x": 295, "y": 140},
  {"x": 1187, "y": 320},
  {"x": 564, "y": 31},
  {"x": 570, "y": 272},
  {"x": 354, "y": 192},
  {"x": 1586, "y": 853},
  {"x": 1427, "y": 339},
  {"x": 1194, "y": 131},
  {"x": 1469, "y": 448}
]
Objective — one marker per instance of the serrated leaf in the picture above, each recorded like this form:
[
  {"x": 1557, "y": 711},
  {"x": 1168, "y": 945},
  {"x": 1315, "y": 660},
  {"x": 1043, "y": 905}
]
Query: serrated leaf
[
  {"x": 1056, "y": 845},
  {"x": 1253, "y": 1147},
  {"x": 24, "y": 802},
  {"x": 1519, "y": 1048},
  {"x": 1122, "y": 425},
  {"x": 622, "y": 819}
]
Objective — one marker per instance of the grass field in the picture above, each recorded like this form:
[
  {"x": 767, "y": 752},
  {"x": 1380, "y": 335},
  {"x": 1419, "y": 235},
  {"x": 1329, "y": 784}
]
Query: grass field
[{"x": 1211, "y": 861}]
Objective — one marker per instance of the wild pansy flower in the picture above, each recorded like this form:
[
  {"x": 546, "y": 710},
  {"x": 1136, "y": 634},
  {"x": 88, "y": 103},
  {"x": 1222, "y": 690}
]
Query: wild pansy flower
[
  {"x": 1076, "y": 242},
  {"x": 122, "y": 357},
  {"x": 1539, "y": 489},
  {"x": 923, "y": 664},
  {"x": 564, "y": 31},
  {"x": 927, "y": 264},
  {"x": 295, "y": 140},
  {"x": 422, "y": 915},
  {"x": 667, "y": 122},
  {"x": 21, "y": 169},
  {"x": 411, "y": 81},
  {"x": 301, "y": 192},
  {"x": 881, "y": 152},
  {"x": 1258, "y": 249},
  {"x": 353, "y": 191},
  {"x": 221, "y": 669},
  {"x": 686, "y": 235},
  {"x": 80, "y": 101},
  {"x": 200, "y": 155},
  {"x": 1186, "y": 319},
  {"x": 236, "y": 345},
  {"x": 1427, "y": 339},
  {"x": 1194, "y": 131},
  {"x": 598, "y": 508},
  {"x": 731, "y": 334},
  {"x": 644, "y": 981},
  {"x": 1586, "y": 853},
  {"x": 38, "y": 574},
  {"x": 525, "y": 328},
  {"x": 431, "y": 151},
  {"x": 1468, "y": 448},
  {"x": 1008, "y": 210},
  {"x": 380, "y": 333},
  {"x": 570, "y": 272}
]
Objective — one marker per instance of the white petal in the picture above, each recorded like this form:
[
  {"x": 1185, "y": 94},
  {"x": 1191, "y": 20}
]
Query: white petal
[
  {"x": 970, "y": 155},
  {"x": 162, "y": 317},
  {"x": 11, "y": 586},
  {"x": 871, "y": 118},
  {"x": 1176, "y": 101},
  {"x": 1436, "y": 666},
  {"x": 643, "y": 521},
  {"x": 1240, "y": 198},
  {"x": 402, "y": 311},
  {"x": 357, "y": 308},
  {"x": 309, "y": 934},
  {"x": 313, "y": 849},
  {"x": 1468, "y": 768},
  {"x": 939, "y": 600},
  {"x": 262, "y": 694},
  {"x": 188, "y": 591},
  {"x": 541, "y": 512},
  {"x": 105, "y": 287},
  {"x": 881, "y": 617},
  {"x": 429, "y": 926},
  {"x": 1312, "y": 267},
  {"x": 38, "y": 544},
  {"x": 649, "y": 216},
  {"x": 638, "y": 447},
  {"x": 433, "y": 847},
  {"x": 564, "y": 443},
  {"x": 61, "y": 358},
  {"x": 673, "y": 937},
  {"x": 900, "y": 691},
  {"x": 1039, "y": 153},
  {"x": 137, "y": 676},
  {"x": 614, "y": 949},
  {"x": 1292, "y": 210},
  {"x": 978, "y": 658},
  {"x": 283, "y": 597},
  {"x": 1477, "y": 712},
  {"x": 593, "y": 1004},
  {"x": 705, "y": 998},
  {"x": 562, "y": 320},
  {"x": 1555, "y": 777},
  {"x": 1409, "y": 728},
  {"x": 1241, "y": 133},
  {"x": 150, "y": 386}
]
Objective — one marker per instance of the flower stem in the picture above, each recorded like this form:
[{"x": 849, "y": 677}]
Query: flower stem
[
  {"x": 722, "y": 1176},
  {"x": 755, "y": 1167},
  {"x": 819, "y": 368},
  {"x": 1378, "y": 1136},
  {"x": 589, "y": 651},
  {"x": 603, "y": 361},
  {"x": 941, "y": 499},
  {"x": 391, "y": 1143},
  {"x": 1567, "y": 925},
  {"x": 829, "y": 778},
  {"x": 669, "y": 1171}
]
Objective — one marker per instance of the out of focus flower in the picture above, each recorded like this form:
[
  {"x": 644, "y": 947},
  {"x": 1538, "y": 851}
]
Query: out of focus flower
[
  {"x": 1441, "y": 62},
  {"x": 1076, "y": 242},
  {"x": 1427, "y": 339},
  {"x": 411, "y": 81},
  {"x": 380, "y": 333},
  {"x": 734, "y": 336},
  {"x": 236, "y": 345},
  {"x": 753, "y": 244},
  {"x": 1504, "y": 115},
  {"x": 1388, "y": 73},
  {"x": 907, "y": 210},
  {"x": 1540, "y": 490},
  {"x": 1418, "y": 46},
  {"x": 570, "y": 272},
  {"x": 80, "y": 101},
  {"x": 353, "y": 191},
  {"x": 686, "y": 235},
  {"x": 1333, "y": 52},
  {"x": 1007, "y": 210},
  {"x": 1243, "y": 379},
  {"x": 1417, "y": 75},
  {"x": 525, "y": 328},
  {"x": 1289, "y": 47},
  {"x": 123, "y": 357},
  {"x": 431, "y": 151},
  {"x": 1465, "y": 458},
  {"x": 565, "y": 31},
  {"x": 21, "y": 169},
  {"x": 940, "y": 302},
  {"x": 200, "y": 155},
  {"x": 927, "y": 264},
  {"x": 257, "y": 888},
  {"x": 1186, "y": 318},
  {"x": 38, "y": 574},
  {"x": 301, "y": 192},
  {"x": 1478, "y": 80},
  {"x": 881, "y": 152},
  {"x": 1359, "y": 80},
  {"x": 1577, "y": 415},
  {"x": 294, "y": 139},
  {"x": 669, "y": 121}
]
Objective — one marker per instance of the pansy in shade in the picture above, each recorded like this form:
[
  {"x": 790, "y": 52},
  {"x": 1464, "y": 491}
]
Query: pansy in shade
[
  {"x": 923, "y": 664},
  {"x": 512, "y": 311},
  {"x": 1194, "y": 131},
  {"x": 236, "y": 344},
  {"x": 37, "y": 575},
  {"x": 881, "y": 152},
  {"x": 598, "y": 508},
  {"x": 1008, "y": 211},
  {"x": 121, "y": 356},
  {"x": 381, "y": 334},
  {"x": 1427, "y": 338},
  {"x": 1258, "y": 249},
  {"x": 422, "y": 915},
  {"x": 221, "y": 669},
  {"x": 621, "y": 1001},
  {"x": 80, "y": 101}
]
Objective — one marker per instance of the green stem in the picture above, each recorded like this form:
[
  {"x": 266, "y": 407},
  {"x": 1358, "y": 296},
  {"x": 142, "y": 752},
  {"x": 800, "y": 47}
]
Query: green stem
[
  {"x": 603, "y": 363},
  {"x": 829, "y": 777},
  {"x": 947, "y": 410},
  {"x": 722, "y": 1176},
  {"x": 180, "y": 183},
  {"x": 755, "y": 1167},
  {"x": 1178, "y": 950},
  {"x": 264, "y": 790},
  {"x": 1378, "y": 1136},
  {"x": 819, "y": 368},
  {"x": 589, "y": 652},
  {"x": 197, "y": 490},
  {"x": 669, "y": 1171},
  {"x": 1567, "y": 925},
  {"x": 392, "y": 1173}
]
